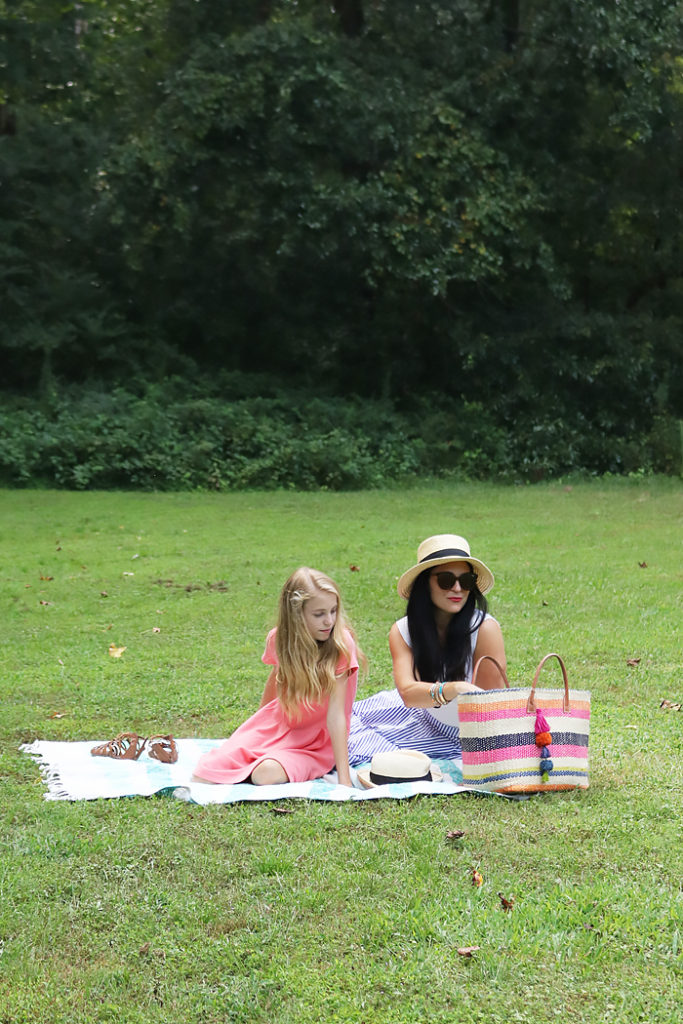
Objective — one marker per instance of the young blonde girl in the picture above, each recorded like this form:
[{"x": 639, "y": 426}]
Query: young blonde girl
[{"x": 301, "y": 728}]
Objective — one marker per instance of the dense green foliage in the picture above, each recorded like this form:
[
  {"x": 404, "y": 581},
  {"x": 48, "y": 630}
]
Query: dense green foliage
[
  {"x": 179, "y": 437},
  {"x": 378, "y": 199}
]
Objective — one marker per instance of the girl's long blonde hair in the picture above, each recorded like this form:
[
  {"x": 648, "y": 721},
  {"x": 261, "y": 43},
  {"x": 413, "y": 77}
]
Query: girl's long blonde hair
[{"x": 306, "y": 669}]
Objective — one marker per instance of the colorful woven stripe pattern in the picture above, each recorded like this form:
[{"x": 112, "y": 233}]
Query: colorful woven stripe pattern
[{"x": 499, "y": 748}]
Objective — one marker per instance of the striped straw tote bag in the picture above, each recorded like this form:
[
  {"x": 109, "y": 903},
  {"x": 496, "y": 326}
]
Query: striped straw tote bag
[{"x": 525, "y": 739}]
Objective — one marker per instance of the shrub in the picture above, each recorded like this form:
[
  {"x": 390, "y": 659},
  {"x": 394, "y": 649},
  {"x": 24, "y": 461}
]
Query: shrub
[{"x": 162, "y": 439}]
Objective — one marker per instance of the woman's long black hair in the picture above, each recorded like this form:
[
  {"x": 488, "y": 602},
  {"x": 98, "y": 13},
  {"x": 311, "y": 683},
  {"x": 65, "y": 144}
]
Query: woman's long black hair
[{"x": 431, "y": 661}]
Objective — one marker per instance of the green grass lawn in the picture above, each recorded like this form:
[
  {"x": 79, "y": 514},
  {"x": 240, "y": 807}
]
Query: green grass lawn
[{"x": 146, "y": 910}]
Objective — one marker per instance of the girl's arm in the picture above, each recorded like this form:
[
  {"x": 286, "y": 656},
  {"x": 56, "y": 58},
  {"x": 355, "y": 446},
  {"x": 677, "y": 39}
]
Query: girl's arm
[
  {"x": 338, "y": 729},
  {"x": 270, "y": 690}
]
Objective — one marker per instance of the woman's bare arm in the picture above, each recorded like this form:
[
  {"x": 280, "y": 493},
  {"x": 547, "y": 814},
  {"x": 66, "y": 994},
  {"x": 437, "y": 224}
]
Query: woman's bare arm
[
  {"x": 490, "y": 641},
  {"x": 415, "y": 693}
]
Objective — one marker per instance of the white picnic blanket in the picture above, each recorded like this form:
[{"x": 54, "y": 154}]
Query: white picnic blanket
[{"x": 72, "y": 773}]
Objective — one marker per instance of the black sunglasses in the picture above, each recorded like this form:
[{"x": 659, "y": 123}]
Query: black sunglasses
[{"x": 447, "y": 580}]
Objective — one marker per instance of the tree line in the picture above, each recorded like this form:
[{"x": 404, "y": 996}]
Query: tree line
[{"x": 446, "y": 207}]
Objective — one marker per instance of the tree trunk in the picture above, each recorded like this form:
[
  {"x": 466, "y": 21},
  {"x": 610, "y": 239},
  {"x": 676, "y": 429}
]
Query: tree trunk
[
  {"x": 511, "y": 24},
  {"x": 350, "y": 15}
]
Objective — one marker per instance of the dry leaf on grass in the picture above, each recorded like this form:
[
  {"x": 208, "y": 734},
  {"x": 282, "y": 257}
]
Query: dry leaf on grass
[
  {"x": 116, "y": 652},
  {"x": 477, "y": 878},
  {"x": 354, "y": 568},
  {"x": 282, "y": 810},
  {"x": 467, "y": 951},
  {"x": 507, "y": 904},
  {"x": 454, "y": 835},
  {"x": 633, "y": 661},
  {"x": 669, "y": 705}
]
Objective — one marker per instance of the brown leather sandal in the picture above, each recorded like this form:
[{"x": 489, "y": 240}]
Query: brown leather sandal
[
  {"x": 162, "y": 748},
  {"x": 127, "y": 746}
]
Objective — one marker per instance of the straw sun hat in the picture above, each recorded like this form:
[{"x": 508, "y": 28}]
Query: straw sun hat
[
  {"x": 399, "y": 766},
  {"x": 445, "y": 547}
]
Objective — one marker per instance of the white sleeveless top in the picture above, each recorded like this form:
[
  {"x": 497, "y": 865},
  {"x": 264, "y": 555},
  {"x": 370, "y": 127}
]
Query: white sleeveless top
[{"x": 405, "y": 633}]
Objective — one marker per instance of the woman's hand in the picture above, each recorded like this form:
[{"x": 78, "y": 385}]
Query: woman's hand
[{"x": 453, "y": 687}]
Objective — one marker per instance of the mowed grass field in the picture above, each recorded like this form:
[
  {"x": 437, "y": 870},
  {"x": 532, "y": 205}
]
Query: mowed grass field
[{"x": 153, "y": 910}]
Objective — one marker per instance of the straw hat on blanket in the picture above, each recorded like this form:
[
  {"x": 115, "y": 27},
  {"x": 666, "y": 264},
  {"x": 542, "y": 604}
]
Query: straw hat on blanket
[{"x": 399, "y": 766}]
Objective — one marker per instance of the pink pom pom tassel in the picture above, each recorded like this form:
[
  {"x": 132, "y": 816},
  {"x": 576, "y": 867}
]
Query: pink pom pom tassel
[{"x": 541, "y": 723}]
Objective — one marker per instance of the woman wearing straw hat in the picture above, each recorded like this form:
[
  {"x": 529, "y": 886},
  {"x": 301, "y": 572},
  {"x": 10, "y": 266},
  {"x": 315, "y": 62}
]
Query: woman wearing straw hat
[{"x": 434, "y": 647}]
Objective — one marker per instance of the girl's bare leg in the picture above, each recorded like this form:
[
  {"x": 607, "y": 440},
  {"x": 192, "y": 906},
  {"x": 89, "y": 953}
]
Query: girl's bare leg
[{"x": 269, "y": 773}]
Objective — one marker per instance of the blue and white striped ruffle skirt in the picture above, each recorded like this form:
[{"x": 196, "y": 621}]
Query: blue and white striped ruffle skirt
[{"x": 383, "y": 722}]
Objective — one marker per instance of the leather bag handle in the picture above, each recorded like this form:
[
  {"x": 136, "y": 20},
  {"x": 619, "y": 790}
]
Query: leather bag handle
[
  {"x": 488, "y": 657},
  {"x": 531, "y": 703}
]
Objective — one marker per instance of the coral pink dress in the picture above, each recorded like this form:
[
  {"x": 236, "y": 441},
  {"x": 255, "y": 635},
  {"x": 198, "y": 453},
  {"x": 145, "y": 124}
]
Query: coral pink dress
[{"x": 302, "y": 746}]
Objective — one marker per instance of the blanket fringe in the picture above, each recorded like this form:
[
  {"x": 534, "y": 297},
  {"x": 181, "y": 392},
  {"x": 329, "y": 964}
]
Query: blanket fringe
[{"x": 50, "y": 774}]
